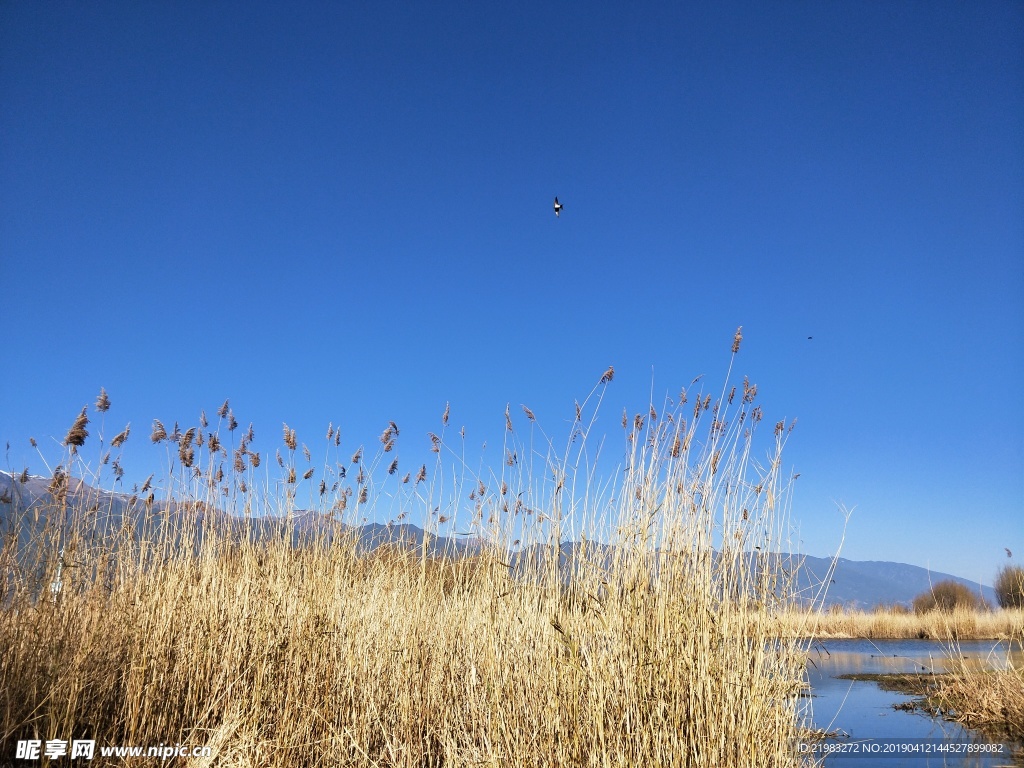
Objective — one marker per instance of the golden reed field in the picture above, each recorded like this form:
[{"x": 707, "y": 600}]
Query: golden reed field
[
  {"x": 671, "y": 644},
  {"x": 958, "y": 624}
]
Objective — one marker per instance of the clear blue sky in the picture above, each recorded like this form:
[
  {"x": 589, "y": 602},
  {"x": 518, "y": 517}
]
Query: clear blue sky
[{"x": 335, "y": 213}]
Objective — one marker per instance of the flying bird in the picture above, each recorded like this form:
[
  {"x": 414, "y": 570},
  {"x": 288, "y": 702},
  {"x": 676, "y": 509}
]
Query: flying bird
[{"x": 558, "y": 206}]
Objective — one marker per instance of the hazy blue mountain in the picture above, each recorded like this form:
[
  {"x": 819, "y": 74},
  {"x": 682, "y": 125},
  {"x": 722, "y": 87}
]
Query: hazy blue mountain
[
  {"x": 858, "y": 584},
  {"x": 27, "y": 509},
  {"x": 866, "y": 583}
]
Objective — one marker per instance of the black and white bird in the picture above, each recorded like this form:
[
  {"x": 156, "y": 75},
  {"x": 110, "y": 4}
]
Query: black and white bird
[{"x": 558, "y": 206}]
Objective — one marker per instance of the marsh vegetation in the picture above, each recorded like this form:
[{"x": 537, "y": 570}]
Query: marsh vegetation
[
  {"x": 658, "y": 646},
  {"x": 897, "y": 623}
]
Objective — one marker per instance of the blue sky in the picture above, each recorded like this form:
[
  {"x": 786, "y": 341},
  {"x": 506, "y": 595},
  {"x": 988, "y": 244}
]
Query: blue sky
[{"x": 331, "y": 213}]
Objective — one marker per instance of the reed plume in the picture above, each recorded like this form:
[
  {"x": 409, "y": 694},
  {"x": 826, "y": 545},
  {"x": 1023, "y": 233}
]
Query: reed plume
[
  {"x": 77, "y": 434},
  {"x": 58, "y": 486}
]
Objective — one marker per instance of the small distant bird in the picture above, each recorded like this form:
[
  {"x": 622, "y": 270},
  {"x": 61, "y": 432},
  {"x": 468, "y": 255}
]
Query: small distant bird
[
  {"x": 558, "y": 206},
  {"x": 809, "y": 338},
  {"x": 1008, "y": 552}
]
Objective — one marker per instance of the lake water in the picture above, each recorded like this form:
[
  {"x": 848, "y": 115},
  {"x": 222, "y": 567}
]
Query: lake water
[{"x": 864, "y": 711}]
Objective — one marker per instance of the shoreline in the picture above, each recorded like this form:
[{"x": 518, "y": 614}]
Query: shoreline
[{"x": 962, "y": 697}]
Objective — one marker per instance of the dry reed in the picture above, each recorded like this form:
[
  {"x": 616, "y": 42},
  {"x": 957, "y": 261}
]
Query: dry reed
[
  {"x": 991, "y": 701},
  {"x": 658, "y": 647},
  {"x": 960, "y": 624}
]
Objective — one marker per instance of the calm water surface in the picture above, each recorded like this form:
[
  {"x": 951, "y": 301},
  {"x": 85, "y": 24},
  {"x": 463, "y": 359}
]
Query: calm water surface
[{"x": 864, "y": 711}]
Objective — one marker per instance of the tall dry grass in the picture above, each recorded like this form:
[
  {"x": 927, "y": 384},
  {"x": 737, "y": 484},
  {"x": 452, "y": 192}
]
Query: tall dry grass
[
  {"x": 988, "y": 700},
  {"x": 958, "y": 624},
  {"x": 300, "y": 648}
]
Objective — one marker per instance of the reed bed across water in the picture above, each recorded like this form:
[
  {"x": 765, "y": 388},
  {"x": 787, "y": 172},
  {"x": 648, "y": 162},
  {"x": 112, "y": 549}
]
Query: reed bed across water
[{"x": 943, "y": 626}]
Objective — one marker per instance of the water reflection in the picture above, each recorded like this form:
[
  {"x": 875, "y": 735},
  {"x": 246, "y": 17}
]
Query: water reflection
[{"x": 862, "y": 710}]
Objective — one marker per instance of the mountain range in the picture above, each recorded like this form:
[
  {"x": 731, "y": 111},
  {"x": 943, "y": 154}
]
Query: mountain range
[{"x": 26, "y": 504}]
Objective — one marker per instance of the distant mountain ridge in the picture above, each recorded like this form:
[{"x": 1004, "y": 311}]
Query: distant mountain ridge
[
  {"x": 858, "y": 584},
  {"x": 867, "y": 583}
]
